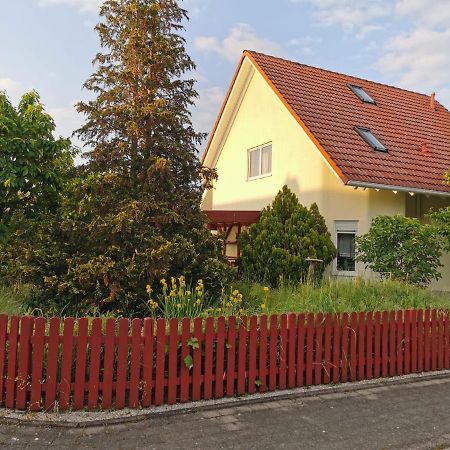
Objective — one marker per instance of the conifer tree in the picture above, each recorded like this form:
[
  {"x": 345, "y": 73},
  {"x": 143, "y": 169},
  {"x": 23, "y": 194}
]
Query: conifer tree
[
  {"x": 277, "y": 247},
  {"x": 133, "y": 215}
]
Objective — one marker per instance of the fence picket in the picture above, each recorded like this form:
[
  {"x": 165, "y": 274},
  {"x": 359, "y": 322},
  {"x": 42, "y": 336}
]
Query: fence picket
[
  {"x": 292, "y": 332},
  {"x": 122, "y": 363},
  {"x": 65, "y": 384},
  {"x": 220, "y": 357},
  {"x": 135, "y": 363},
  {"x": 420, "y": 341},
  {"x": 94, "y": 362},
  {"x": 273, "y": 351},
  {"x": 52, "y": 364},
  {"x": 283, "y": 352},
  {"x": 327, "y": 350},
  {"x": 377, "y": 345},
  {"x": 38, "y": 342},
  {"x": 440, "y": 350},
  {"x": 3, "y": 333},
  {"x": 407, "y": 342},
  {"x": 446, "y": 340},
  {"x": 336, "y": 347},
  {"x": 23, "y": 372},
  {"x": 12, "y": 361},
  {"x": 353, "y": 345},
  {"x": 369, "y": 346},
  {"x": 108, "y": 363},
  {"x": 147, "y": 362},
  {"x": 385, "y": 345},
  {"x": 231, "y": 355},
  {"x": 252, "y": 349},
  {"x": 361, "y": 345},
  {"x": 185, "y": 353},
  {"x": 344, "y": 349},
  {"x": 433, "y": 364},
  {"x": 209, "y": 341},
  {"x": 262, "y": 365},
  {"x": 242, "y": 356},
  {"x": 318, "y": 349},
  {"x": 392, "y": 346},
  {"x": 197, "y": 369},
  {"x": 301, "y": 350},
  {"x": 427, "y": 340},
  {"x": 80, "y": 365},
  {"x": 160, "y": 361},
  {"x": 309, "y": 348},
  {"x": 400, "y": 341},
  {"x": 413, "y": 340}
]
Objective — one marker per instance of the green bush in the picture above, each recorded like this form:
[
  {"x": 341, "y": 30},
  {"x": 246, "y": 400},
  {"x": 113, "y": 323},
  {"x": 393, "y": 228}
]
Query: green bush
[
  {"x": 276, "y": 248},
  {"x": 404, "y": 247}
]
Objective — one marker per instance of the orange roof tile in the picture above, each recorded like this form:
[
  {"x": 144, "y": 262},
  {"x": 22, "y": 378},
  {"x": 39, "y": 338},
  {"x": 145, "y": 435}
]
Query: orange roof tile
[{"x": 402, "y": 120}]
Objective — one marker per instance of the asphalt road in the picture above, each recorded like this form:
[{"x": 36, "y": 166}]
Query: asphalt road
[{"x": 406, "y": 416}]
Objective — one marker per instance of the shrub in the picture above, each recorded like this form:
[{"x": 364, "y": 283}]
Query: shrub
[
  {"x": 441, "y": 219},
  {"x": 409, "y": 250},
  {"x": 286, "y": 235}
]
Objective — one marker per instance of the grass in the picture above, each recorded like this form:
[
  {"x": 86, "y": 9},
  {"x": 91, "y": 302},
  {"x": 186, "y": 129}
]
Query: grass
[
  {"x": 12, "y": 299},
  {"x": 341, "y": 296}
]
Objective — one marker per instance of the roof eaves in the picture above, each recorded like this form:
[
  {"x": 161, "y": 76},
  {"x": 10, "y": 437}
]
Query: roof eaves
[{"x": 412, "y": 190}]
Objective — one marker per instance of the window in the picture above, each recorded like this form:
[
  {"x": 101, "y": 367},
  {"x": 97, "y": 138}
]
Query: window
[
  {"x": 361, "y": 94},
  {"x": 369, "y": 137},
  {"x": 346, "y": 231},
  {"x": 260, "y": 161}
]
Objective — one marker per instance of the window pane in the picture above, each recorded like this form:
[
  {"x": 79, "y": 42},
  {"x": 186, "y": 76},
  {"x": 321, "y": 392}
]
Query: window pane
[
  {"x": 266, "y": 163},
  {"x": 371, "y": 139},
  {"x": 361, "y": 93},
  {"x": 346, "y": 252},
  {"x": 254, "y": 163}
]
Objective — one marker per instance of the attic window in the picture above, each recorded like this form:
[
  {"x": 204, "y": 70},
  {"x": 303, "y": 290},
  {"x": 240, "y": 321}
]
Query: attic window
[
  {"x": 369, "y": 137},
  {"x": 361, "y": 94}
]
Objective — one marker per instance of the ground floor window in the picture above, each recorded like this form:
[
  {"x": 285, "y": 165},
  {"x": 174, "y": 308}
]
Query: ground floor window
[{"x": 346, "y": 231}]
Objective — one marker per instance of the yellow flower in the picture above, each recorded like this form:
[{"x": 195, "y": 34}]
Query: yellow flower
[
  {"x": 178, "y": 305},
  {"x": 241, "y": 311},
  {"x": 198, "y": 302},
  {"x": 188, "y": 293},
  {"x": 173, "y": 293},
  {"x": 263, "y": 306},
  {"x": 235, "y": 292},
  {"x": 266, "y": 289},
  {"x": 149, "y": 289},
  {"x": 219, "y": 309}
]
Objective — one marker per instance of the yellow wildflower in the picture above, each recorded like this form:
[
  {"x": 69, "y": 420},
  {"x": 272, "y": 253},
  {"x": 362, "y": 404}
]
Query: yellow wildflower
[
  {"x": 149, "y": 289},
  {"x": 263, "y": 306},
  {"x": 188, "y": 293},
  {"x": 173, "y": 293},
  {"x": 198, "y": 302},
  {"x": 178, "y": 305},
  {"x": 266, "y": 289},
  {"x": 235, "y": 292}
]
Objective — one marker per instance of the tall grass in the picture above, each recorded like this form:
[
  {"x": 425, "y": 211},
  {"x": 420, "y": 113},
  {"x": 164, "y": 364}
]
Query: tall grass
[
  {"x": 12, "y": 299},
  {"x": 342, "y": 296}
]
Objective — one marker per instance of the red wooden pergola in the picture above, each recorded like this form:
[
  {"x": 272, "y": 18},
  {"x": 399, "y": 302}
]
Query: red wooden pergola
[{"x": 224, "y": 221}]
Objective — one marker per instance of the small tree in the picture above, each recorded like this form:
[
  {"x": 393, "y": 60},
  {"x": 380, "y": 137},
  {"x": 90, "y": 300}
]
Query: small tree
[
  {"x": 33, "y": 164},
  {"x": 288, "y": 233},
  {"x": 409, "y": 250}
]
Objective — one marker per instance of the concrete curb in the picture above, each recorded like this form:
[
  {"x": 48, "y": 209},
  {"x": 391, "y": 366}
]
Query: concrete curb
[{"x": 73, "y": 419}]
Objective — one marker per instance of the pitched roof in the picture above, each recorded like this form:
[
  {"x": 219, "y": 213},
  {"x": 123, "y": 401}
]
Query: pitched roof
[{"x": 402, "y": 120}]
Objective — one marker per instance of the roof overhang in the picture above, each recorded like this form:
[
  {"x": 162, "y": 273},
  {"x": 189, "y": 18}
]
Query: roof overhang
[
  {"x": 411, "y": 190},
  {"x": 232, "y": 217}
]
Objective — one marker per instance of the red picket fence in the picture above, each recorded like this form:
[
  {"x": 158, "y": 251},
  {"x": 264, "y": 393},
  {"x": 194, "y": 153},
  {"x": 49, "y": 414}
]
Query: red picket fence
[{"x": 113, "y": 363}]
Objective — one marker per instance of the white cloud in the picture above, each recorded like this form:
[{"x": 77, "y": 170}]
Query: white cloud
[
  {"x": 207, "y": 108},
  {"x": 81, "y": 5},
  {"x": 427, "y": 13},
  {"x": 350, "y": 15},
  {"x": 241, "y": 37},
  {"x": 419, "y": 59},
  {"x": 304, "y": 44},
  {"x": 9, "y": 86}
]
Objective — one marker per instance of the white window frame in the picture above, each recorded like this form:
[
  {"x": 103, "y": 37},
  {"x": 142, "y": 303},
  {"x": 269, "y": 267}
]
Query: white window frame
[
  {"x": 344, "y": 227},
  {"x": 259, "y": 149}
]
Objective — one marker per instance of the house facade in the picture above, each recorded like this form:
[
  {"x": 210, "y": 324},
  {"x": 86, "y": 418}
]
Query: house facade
[{"x": 357, "y": 148}]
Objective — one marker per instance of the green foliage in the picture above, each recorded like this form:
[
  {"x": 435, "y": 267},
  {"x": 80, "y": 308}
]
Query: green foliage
[
  {"x": 286, "y": 235},
  {"x": 441, "y": 220},
  {"x": 33, "y": 164},
  {"x": 409, "y": 250},
  {"x": 132, "y": 215}
]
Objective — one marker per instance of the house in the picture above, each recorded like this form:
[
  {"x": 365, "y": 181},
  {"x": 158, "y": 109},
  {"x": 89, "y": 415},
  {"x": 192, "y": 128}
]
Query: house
[{"x": 357, "y": 148}]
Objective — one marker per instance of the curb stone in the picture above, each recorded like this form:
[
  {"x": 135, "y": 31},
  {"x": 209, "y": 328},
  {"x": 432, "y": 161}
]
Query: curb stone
[{"x": 105, "y": 418}]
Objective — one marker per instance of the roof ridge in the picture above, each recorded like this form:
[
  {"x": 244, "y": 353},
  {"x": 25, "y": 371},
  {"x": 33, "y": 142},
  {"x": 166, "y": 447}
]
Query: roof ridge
[{"x": 253, "y": 52}]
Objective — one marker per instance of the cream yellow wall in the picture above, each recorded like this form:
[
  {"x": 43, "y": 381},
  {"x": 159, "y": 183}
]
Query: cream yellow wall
[{"x": 262, "y": 118}]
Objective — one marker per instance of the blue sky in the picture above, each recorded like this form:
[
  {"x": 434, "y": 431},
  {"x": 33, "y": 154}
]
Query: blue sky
[{"x": 50, "y": 45}]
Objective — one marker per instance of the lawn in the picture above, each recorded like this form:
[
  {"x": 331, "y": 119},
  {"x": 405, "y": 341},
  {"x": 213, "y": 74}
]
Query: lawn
[{"x": 341, "y": 296}]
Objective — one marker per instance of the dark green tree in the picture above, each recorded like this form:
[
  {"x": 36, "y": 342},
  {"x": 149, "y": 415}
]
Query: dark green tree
[
  {"x": 132, "y": 216},
  {"x": 277, "y": 247},
  {"x": 33, "y": 164},
  {"x": 404, "y": 247}
]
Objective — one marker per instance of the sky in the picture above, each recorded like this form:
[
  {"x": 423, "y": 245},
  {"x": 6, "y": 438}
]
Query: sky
[{"x": 48, "y": 45}]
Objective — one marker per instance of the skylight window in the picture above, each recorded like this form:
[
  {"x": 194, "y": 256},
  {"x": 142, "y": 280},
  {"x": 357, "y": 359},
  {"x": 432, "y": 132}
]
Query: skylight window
[
  {"x": 361, "y": 94},
  {"x": 369, "y": 137}
]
